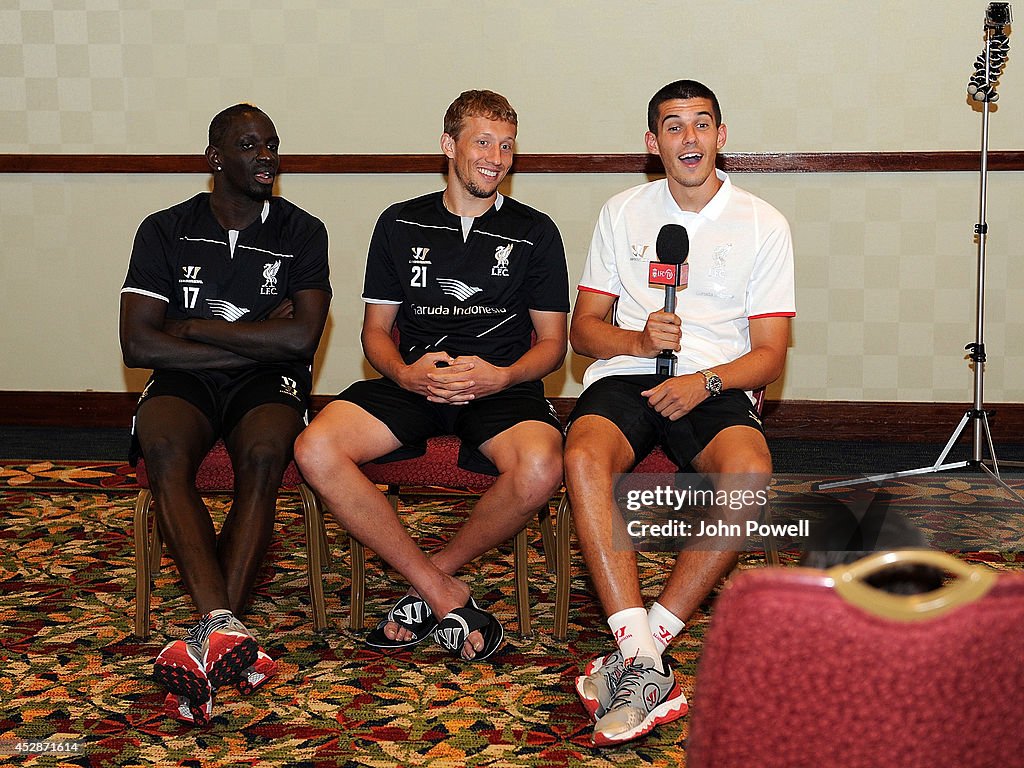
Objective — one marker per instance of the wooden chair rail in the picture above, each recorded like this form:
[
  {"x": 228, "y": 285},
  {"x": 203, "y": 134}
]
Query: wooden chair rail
[{"x": 741, "y": 162}]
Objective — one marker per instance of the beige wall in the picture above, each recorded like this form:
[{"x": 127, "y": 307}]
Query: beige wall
[{"x": 886, "y": 263}]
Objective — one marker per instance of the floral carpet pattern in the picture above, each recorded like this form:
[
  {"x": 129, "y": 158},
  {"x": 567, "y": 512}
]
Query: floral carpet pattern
[{"x": 72, "y": 673}]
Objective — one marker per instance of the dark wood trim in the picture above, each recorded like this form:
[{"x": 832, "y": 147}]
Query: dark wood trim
[
  {"x": 67, "y": 409},
  {"x": 789, "y": 419},
  {"x": 743, "y": 162},
  {"x": 884, "y": 421}
]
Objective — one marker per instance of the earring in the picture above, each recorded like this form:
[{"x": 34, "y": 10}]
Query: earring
[{"x": 218, "y": 168}]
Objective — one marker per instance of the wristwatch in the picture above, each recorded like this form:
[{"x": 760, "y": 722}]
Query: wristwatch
[{"x": 712, "y": 383}]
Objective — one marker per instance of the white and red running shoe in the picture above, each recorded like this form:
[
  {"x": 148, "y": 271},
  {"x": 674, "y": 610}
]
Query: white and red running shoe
[
  {"x": 596, "y": 685},
  {"x": 645, "y": 697},
  {"x": 216, "y": 652}
]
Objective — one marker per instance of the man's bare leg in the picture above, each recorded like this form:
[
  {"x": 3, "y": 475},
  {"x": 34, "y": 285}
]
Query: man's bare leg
[
  {"x": 528, "y": 457},
  {"x": 739, "y": 459},
  {"x": 260, "y": 446},
  {"x": 329, "y": 452},
  {"x": 174, "y": 437},
  {"x": 595, "y": 451}
]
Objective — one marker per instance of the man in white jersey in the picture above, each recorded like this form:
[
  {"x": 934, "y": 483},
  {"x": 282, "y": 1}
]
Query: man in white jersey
[
  {"x": 475, "y": 284},
  {"x": 729, "y": 335}
]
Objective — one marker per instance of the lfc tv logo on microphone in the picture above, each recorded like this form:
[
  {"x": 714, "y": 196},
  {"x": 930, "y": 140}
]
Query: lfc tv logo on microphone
[{"x": 662, "y": 273}]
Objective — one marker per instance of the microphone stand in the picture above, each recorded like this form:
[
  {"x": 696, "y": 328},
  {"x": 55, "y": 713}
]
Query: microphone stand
[{"x": 981, "y": 88}]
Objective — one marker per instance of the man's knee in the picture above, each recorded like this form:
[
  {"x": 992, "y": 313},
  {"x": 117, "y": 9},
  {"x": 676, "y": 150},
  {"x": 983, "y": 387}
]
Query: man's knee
[
  {"x": 541, "y": 472},
  {"x": 580, "y": 455},
  {"x": 169, "y": 460},
  {"x": 528, "y": 457},
  {"x": 753, "y": 464},
  {"x": 594, "y": 452},
  {"x": 535, "y": 468},
  {"x": 317, "y": 455},
  {"x": 342, "y": 435},
  {"x": 262, "y": 461},
  {"x": 308, "y": 445},
  {"x": 737, "y": 453}
]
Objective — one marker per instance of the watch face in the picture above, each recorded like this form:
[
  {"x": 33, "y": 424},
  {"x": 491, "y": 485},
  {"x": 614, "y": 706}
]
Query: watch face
[{"x": 713, "y": 382}]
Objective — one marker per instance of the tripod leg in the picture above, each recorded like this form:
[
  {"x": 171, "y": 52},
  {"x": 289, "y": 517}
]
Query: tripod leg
[
  {"x": 953, "y": 438},
  {"x": 1002, "y": 483},
  {"x": 938, "y": 466},
  {"x": 991, "y": 447}
]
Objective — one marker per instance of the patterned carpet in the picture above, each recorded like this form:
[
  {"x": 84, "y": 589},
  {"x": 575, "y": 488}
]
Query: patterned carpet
[{"x": 73, "y": 674}]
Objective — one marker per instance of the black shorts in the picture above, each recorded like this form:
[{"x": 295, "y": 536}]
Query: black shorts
[
  {"x": 617, "y": 398},
  {"x": 224, "y": 397},
  {"x": 412, "y": 418}
]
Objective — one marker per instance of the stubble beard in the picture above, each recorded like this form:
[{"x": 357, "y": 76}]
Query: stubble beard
[{"x": 473, "y": 188}]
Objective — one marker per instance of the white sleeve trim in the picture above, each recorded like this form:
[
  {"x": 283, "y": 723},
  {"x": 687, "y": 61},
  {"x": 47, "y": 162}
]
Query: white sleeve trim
[
  {"x": 146, "y": 293},
  {"x": 368, "y": 300}
]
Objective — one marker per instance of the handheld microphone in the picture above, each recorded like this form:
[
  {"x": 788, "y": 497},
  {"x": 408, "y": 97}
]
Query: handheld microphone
[{"x": 671, "y": 271}]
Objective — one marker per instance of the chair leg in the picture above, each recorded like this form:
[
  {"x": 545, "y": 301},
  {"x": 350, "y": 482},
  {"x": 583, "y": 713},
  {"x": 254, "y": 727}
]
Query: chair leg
[
  {"x": 156, "y": 548},
  {"x": 315, "y": 549},
  {"x": 325, "y": 545},
  {"x": 563, "y": 574},
  {"x": 393, "y": 497},
  {"x": 547, "y": 536},
  {"x": 142, "y": 563},
  {"x": 771, "y": 546},
  {"x": 522, "y": 574},
  {"x": 357, "y": 558}
]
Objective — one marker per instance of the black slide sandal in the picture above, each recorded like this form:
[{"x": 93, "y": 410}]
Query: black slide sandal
[
  {"x": 453, "y": 629},
  {"x": 411, "y": 613}
]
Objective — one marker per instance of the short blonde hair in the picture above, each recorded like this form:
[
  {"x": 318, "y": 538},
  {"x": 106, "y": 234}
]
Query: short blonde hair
[{"x": 487, "y": 104}]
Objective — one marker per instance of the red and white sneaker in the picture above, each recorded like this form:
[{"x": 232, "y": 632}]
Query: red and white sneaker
[
  {"x": 645, "y": 697},
  {"x": 260, "y": 672},
  {"x": 215, "y": 652},
  {"x": 180, "y": 708},
  {"x": 181, "y": 669},
  {"x": 229, "y": 649}
]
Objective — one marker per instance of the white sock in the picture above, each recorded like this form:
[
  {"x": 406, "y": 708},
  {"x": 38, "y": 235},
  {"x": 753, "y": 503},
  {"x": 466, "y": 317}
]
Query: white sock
[
  {"x": 664, "y": 626},
  {"x": 632, "y": 634}
]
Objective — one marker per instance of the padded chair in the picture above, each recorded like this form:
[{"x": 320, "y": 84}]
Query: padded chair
[
  {"x": 216, "y": 475},
  {"x": 437, "y": 467},
  {"x": 655, "y": 462},
  {"x": 803, "y": 667}
]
